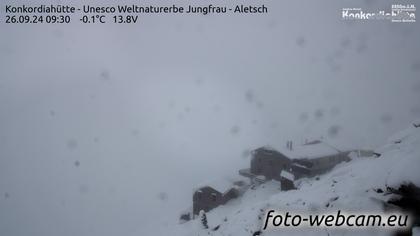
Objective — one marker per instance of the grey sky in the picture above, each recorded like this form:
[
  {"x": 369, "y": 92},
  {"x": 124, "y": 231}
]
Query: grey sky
[{"x": 98, "y": 122}]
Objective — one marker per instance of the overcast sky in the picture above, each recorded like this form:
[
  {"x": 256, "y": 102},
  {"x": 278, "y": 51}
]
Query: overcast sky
[{"x": 105, "y": 127}]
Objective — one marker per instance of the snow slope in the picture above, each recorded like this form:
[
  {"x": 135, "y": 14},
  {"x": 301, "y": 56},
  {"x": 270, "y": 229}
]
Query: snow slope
[{"x": 350, "y": 187}]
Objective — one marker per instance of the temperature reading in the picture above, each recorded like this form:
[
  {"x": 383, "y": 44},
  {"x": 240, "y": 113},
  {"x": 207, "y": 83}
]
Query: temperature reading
[{"x": 93, "y": 19}]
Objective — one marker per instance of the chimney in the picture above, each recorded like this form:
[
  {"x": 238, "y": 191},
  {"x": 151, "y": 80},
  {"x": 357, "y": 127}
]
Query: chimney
[{"x": 289, "y": 145}]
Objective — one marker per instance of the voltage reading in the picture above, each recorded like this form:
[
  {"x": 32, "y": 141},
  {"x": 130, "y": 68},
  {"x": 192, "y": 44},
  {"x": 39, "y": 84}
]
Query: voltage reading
[{"x": 128, "y": 19}]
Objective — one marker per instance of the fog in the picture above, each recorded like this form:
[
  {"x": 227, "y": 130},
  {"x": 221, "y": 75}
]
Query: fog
[{"x": 107, "y": 129}]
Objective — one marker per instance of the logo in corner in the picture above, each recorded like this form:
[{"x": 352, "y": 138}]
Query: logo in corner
[{"x": 405, "y": 13}]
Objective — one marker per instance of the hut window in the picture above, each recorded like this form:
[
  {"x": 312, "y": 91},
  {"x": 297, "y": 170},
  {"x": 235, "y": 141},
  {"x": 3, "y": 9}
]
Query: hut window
[
  {"x": 268, "y": 152},
  {"x": 213, "y": 197}
]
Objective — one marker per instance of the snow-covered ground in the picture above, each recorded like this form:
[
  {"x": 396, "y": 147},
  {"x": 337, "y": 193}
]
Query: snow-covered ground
[{"x": 350, "y": 187}]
